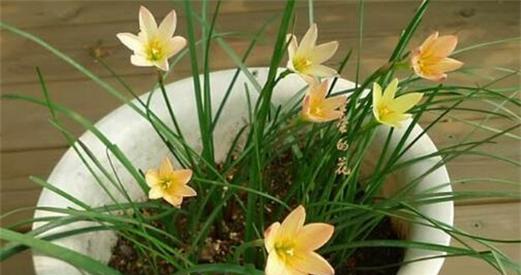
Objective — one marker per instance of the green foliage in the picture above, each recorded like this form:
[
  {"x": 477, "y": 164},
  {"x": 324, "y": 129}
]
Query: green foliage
[{"x": 351, "y": 201}]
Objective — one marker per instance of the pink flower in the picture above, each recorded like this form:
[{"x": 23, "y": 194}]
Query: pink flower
[{"x": 431, "y": 61}]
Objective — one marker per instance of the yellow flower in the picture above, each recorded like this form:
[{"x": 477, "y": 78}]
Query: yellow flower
[
  {"x": 153, "y": 45},
  {"x": 306, "y": 58},
  {"x": 169, "y": 184},
  {"x": 318, "y": 108},
  {"x": 430, "y": 60},
  {"x": 291, "y": 246},
  {"x": 390, "y": 110}
]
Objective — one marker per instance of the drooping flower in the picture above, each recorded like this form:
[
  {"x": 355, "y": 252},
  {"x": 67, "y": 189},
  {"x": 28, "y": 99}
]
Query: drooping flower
[
  {"x": 153, "y": 45},
  {"x": 169, "y": 184},
  {"x": 318, "y": 108},
  {"x": 306, "y": 59},
  {"x": 389, "y": 110},
  {"x": 431, "y": 61},
  {"x": 291, "y": 246}
]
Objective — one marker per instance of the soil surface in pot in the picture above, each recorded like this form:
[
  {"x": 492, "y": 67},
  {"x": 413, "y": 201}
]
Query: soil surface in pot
[
  {"x": 364, "y": 261},
  {"x": 228, "y": 234}
]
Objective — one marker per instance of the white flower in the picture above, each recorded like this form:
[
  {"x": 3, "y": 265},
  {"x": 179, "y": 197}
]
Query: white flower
[
  {"x": 306, "y": 59},
  {"x": 153, "y": 45}
]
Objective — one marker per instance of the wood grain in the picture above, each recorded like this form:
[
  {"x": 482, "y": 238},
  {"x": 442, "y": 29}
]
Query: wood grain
[
  {"x": 499, "y": 221},
  {"x": 30, "y": 146}
]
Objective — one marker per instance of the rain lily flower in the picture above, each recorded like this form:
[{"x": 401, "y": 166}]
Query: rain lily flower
[
  {"x": 291, "y": 246},
  {"x": 306, "y": 58},
  {"x": 318, "y": 108},
  {"x": 431, "y": 61},
  {"x": 169, "y": 184},
  {"x": 389, "y": 110},
  {"x": 153, "y": 45}
]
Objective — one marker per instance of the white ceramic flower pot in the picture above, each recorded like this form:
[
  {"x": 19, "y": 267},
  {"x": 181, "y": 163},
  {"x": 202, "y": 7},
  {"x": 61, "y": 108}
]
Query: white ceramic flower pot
[{"x": 135, "y": 137}]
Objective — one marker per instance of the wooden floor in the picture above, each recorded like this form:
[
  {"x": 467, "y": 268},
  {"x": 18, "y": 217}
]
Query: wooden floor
[{"x": 30, "y": 146}]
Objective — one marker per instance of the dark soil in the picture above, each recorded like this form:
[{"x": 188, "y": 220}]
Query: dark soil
[
  {"x": 365, "y": 261},
  {"x": 126, "y": 259},
  {"x": 370, "y": 260},
  {"x": 226, "y": 235}
]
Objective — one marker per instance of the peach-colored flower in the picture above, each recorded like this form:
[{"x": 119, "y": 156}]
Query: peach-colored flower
[
  {"x": 389, "y": 110},
  {"x": 291, "y": 246},
  {"x": 153, "y": 45},
  {"x": 306, "y": 59},
  {"x": 431, "y": 61},
  {"x": 169, "y": 184},
  {"x": 318, "y": 108}
]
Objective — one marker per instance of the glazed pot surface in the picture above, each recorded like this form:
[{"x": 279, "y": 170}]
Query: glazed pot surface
[{"x": 135, "y": 137}]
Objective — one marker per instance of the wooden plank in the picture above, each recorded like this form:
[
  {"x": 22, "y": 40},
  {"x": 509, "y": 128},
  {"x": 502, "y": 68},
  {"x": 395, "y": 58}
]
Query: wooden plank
[
  {"x": 376, "y": 49},
  {"x": 19, "y": 264},
  {"x": 500, "y": 221},
  {"x": 25, "y": 126},
  {"x": 16, "y": 190},
  {"x": 75, "y": 38}
]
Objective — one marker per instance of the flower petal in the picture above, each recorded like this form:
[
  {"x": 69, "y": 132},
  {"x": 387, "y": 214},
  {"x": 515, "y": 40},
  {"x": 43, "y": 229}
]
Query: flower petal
[
  {"x": 147, "y": 23},
  {"x": 443, "y": 46},
  {"x": 186, "y": 191},
  {"x": 438, "y": 77},
  {"x": 321, "y": 71},
  {"x": 314, "y": 235},
  {"x": 326, "y": 116},
  {"x": 318, "y": 91},
  {"x": 162, "y": 64},
  {"x": 270, "y": 234},
  {"x": 428, "y": 42},
  {"x": 390, "y": 90},
  {"x": 166, "y": 167},
  {"x": 405, "y": 102},
  {"x": 182, "y": 176},
  {"x": 309, "y": 40},
  {"x": 152, "y": 177},
  {"x": 293, "y": 222},
  {"x": 130, "y": 40},
  {"x": 167, "y": 27},
  {"x": 446, "y": 65},
  {"x": 173, "y": 200},
  {"x": 324, "y": 52},
  {"x": 377, "y": 100},
  {"x": 377, "y": 93},
  {"x": 155, "y": 193},
  {"x": 292, "y": 45},
  {"x": 274, "y": 266},
  {"x": 140, "y": 61},
  {"x": 174, "y": 45},
  {"x": 394, "y": 119},
  {"x": 334, "y": 103},
  {"x": 312, "y": 263}
]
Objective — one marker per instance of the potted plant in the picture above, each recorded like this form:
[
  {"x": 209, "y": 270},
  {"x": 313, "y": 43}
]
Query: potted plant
[{"x": 286, "y": 169}]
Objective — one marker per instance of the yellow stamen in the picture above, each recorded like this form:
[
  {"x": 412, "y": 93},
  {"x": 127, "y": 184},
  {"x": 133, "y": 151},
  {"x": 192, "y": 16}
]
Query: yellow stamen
[
  {"x": 422, "y": 65},
  {"x": 315, "y": 110},
  {"x": 154, "y": 50},
  {"x": 166, "y": 183},
  {"x": 301, "y": 64},
  {"x": 384, "y": 110},
  {"x": 284, "y": 250}
]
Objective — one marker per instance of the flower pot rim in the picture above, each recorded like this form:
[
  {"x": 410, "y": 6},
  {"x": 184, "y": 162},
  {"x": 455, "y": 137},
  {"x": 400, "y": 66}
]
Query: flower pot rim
[{"x": 69, "y": 168}]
